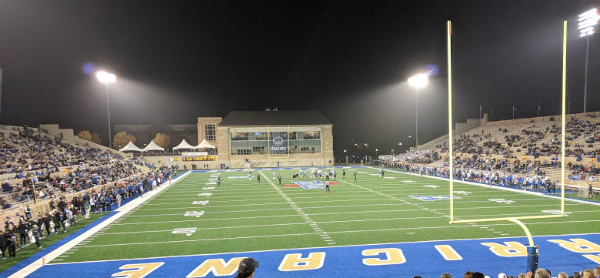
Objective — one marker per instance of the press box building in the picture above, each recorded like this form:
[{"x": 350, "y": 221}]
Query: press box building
[{"x": 269, "y": 138}]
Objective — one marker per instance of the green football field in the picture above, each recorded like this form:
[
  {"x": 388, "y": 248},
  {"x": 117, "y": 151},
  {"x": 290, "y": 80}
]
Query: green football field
[{"x": 244, "y": 215}]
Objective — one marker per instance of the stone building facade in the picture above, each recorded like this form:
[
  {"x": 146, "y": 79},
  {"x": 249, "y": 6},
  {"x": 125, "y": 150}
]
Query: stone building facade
[{"x": 251, "y": 139}]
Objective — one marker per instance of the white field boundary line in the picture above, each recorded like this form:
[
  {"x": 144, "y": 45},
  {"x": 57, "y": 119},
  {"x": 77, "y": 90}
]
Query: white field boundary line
[
  {"x": 245, "y": 253},
  {"x": 286, "y": 224},
  {"x": 197, "y": 240},
  {"x": 261, "y": 204},
  {"x": 325, "y": 213},
  {"x": 280, "y": 224},
  {"x": 231, "y": 211},
  {"x": 335, "y": 232},
  {"x": 488, "y": 201},
  {"x": 208, "y": 228},
  {"x": 498, "y": 188},
  {"x": 258, "y": 199},
  {"x": 226, "y": 195},
  {"x": 322, "y": 207},
  {"x": 324, "y": 236},
  {"x": 120, "y": 212},
  {"x": 191, "y": 196},
  {"x": 215, "y": 219},
  {"x": 443, "y": 188},
  {"x": 237, "y": 186},
  {"x": 245, "y": 205}
]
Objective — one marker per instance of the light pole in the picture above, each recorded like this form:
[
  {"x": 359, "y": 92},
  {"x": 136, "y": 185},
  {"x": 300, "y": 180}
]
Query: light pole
[
  {"x": 418, "y": 81},
  {"x": 587, "y": 22},
  {"x": 346, "y": 157},
  {"x": 376, "y": 153},
  {"x": 107, "y": 78}
]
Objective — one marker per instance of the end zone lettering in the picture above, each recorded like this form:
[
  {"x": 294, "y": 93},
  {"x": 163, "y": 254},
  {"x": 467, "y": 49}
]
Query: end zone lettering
[{"x": 319, "y": 261}]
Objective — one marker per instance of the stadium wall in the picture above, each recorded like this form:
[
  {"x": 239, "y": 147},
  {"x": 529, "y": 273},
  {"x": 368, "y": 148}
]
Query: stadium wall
[
  {"x": 459, "y": 128},
  {"x": 550, "y": 118}
]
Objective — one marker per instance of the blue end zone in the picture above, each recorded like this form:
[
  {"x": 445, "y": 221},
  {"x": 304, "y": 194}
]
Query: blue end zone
[{"x": 410, "y": 259}]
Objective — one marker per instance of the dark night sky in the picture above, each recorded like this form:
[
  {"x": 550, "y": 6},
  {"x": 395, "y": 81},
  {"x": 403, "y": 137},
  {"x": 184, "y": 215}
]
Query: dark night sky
[{"x": 348, "y": 59}]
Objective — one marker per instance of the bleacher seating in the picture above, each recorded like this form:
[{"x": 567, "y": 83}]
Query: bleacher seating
[
  {"x": 529, "y": 146},
  {"x": 31, "y": 158}
]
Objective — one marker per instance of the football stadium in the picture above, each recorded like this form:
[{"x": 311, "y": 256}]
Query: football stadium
[{"x": 249, "y": 192}]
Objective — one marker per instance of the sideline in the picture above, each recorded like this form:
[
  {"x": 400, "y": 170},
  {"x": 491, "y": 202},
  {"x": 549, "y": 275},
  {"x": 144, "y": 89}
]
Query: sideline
[
  {"x": 32, "y": 267},
  {"x": 494, "y": 187}
]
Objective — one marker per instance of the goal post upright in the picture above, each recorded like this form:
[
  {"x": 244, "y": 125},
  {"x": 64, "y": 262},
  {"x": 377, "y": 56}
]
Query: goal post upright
[
  {"x": 450, "y": 158},
  {"x": 563, "y": 122},
  {"x": 532, "y": 249}
]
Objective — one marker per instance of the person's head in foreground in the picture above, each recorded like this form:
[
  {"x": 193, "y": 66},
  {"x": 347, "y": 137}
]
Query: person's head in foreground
[{"x": 247, "y": 268}]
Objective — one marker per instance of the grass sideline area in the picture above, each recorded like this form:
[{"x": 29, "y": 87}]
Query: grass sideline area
[
  {"x": 47, "y": 241},
  {"x": 243, "y": 215}
]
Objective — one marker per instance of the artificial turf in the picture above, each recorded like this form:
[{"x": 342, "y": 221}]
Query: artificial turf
[{"x": 244, "y": 215}]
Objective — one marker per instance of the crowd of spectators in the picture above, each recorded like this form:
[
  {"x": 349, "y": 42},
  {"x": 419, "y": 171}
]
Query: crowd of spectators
[
  {"x": 506, "y": 155},
  {"x": 539, "y": 273},
  {"x": 64, "y": 213},
  {"x": 51, "y": 166}
]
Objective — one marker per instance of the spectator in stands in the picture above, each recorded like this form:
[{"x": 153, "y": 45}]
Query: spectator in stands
[
  {"x": 542, "y": 273},
  {"x": 247, "y": 268},
  {"x": 588, "y": 273},
  {"x": 3, "y": 245},
  {"x": 478, "y": 275}
]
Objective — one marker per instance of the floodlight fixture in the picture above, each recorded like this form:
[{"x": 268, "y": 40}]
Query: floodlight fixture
[
  {"x": 106, "y": 77},
  {"x": 419, "y": 80},
  {"x": 587, "y": 22}
]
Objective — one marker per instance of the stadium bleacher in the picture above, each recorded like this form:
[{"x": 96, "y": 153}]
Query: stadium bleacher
[
  {"x": 33, "y": 162},
  {"x": 528, "y": 147}
]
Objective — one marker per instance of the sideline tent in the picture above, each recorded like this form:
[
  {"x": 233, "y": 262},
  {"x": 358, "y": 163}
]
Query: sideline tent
[
  {"x": 131, "y": 147},
  {"x": 153, "y": 147},
  {"x": 184, "y": 145},
  {"x": 205, "y": 145}
]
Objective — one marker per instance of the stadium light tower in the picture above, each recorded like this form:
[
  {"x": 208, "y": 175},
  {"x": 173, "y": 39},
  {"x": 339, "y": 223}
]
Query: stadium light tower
[
  {"x": 418, "y": 81},
  {"x": 106, "y": 78},
  {"x": 587, "y": 22}
]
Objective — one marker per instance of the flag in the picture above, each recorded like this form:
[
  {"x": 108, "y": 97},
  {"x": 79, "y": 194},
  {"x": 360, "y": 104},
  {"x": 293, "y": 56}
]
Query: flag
[{"x": 515, "y": 109}]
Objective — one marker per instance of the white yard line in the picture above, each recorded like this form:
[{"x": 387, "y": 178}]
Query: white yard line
[
  {"x": 496, "y": 187},
  {"x": 210, "y": 228},
  {"x": 336, "y": 232},
  {"x": 308, "y": 220},
  {"x": 244, "y": 205},
  {"x": 196, "y": 240},
  {"x": 121, "y": 211},
  {"x": 205, "y": 219},
  {"x": 396, "y": 199}
]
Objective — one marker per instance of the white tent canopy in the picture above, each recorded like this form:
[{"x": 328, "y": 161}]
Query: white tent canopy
[
  {"x": 153, "y": 147},
  {"x": 131, "y": 147},
  {"x": 184, "y": 145},
  {"x": 205, "y": 145}
]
